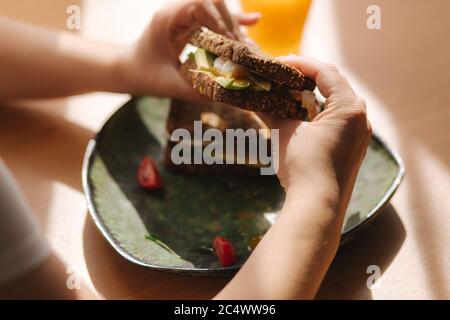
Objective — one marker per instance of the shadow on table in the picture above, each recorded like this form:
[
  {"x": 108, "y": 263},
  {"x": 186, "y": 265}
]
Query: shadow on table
[
  {"x": 377, "y": 245},
  {"x": 47, "y": 281},
  {"x": 115, "y": 278}
]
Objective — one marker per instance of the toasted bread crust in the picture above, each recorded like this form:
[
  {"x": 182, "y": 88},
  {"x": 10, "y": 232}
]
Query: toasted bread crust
[{"x": 251, "y": 59}]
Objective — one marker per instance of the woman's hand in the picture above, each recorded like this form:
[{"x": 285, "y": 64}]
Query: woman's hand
[
  {"x": 64, "y": 63},
  {"x": 151, "y": 66},
  {"x": 318, "y": 164},
  {"x": 327, "y": 152}
]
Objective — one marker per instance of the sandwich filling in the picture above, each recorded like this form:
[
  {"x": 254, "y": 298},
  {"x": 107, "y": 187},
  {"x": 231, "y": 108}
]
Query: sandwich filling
[{"x": 232, "y": 76}]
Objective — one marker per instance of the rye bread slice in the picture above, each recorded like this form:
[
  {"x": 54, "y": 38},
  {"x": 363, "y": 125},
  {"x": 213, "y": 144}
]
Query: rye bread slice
[
  {"x": 277, "y": 102},
  {"x": 251, "y": 59}
]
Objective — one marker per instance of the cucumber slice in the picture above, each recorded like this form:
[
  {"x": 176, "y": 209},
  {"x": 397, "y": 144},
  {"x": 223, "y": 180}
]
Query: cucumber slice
[{"x": 203, "y": 59}]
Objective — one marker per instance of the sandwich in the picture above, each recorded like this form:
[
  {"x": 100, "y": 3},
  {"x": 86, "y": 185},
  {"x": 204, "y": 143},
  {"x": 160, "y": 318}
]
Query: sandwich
[
  {"x": 233, "y": 73},
  {"x": 213, "y": 115}
]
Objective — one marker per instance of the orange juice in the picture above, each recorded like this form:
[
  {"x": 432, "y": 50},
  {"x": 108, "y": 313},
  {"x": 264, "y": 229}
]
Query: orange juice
[{"x": 279, "y": 31}]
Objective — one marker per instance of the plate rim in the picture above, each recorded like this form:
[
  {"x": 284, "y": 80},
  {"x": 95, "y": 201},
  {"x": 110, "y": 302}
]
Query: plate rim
[{"x": 346, "y": 236}]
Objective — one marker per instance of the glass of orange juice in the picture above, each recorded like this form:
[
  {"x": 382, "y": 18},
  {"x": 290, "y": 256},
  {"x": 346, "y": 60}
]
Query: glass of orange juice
[{"x": 279, "y": 31}]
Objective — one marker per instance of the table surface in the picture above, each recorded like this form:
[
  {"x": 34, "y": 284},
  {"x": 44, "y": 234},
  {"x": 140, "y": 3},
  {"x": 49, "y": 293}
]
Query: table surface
[{"x": 402, "y": 71}]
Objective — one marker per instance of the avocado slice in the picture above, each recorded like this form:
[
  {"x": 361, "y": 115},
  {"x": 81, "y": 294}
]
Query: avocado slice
[
  {"x": 239, "y": 84},
  {"x": 203, "y": 59},
  {"x": 225, "y": 82},
  {"x": 232, "y": 84},
  {"x": 191, "y": 56}
]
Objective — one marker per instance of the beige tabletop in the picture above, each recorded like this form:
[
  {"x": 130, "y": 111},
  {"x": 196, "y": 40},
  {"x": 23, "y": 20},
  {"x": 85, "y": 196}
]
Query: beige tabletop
[{"x": 403, "y": 71}]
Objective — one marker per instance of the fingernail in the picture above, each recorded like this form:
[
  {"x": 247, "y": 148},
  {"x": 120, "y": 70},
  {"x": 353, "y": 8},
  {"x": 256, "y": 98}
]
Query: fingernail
[
  {"x": 250, "y": 42},
  {"x": 254, "y": 15}
]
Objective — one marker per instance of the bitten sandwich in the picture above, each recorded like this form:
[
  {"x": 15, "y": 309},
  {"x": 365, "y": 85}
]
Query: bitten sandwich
[{"x": 233, "y": 73}]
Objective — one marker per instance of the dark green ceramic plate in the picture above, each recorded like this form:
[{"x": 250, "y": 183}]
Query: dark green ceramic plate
[{"x": 172, "y": 229}]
